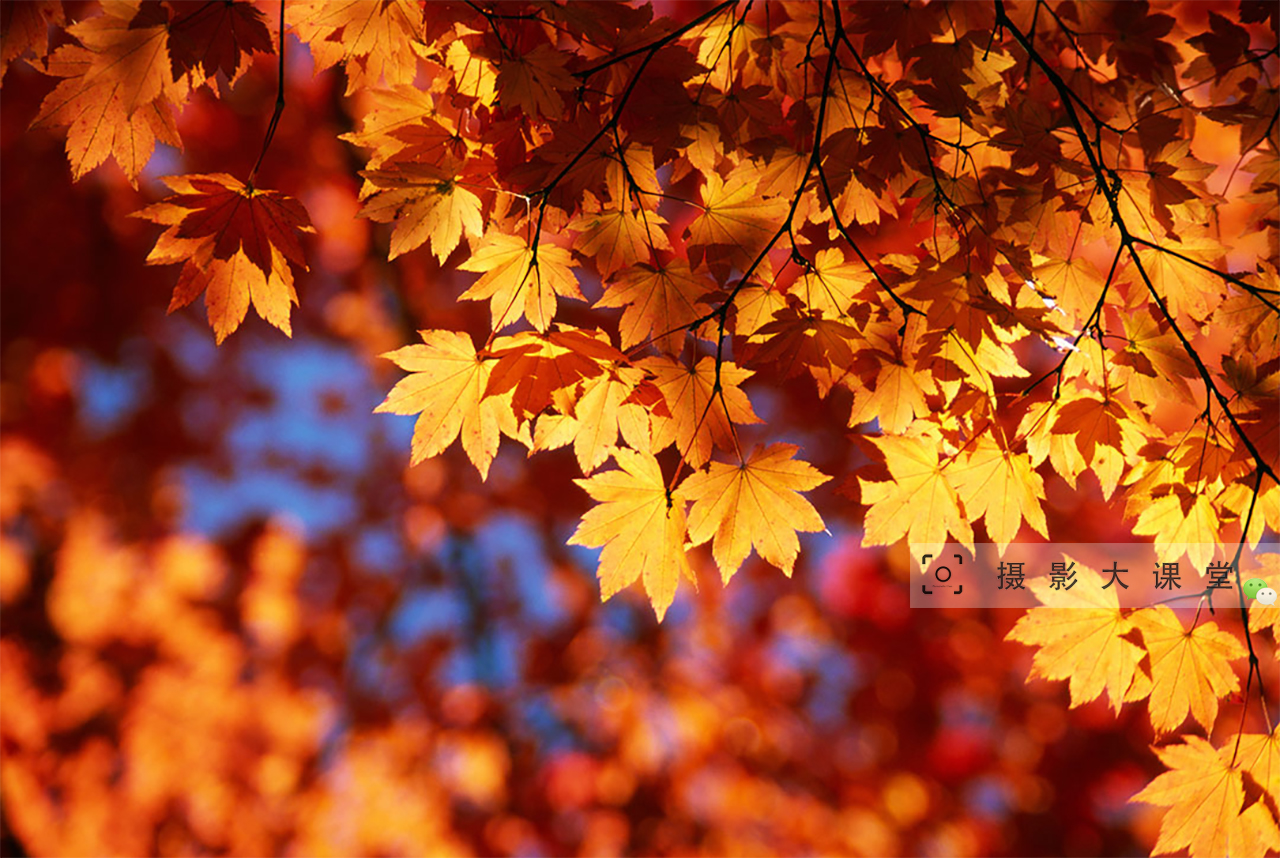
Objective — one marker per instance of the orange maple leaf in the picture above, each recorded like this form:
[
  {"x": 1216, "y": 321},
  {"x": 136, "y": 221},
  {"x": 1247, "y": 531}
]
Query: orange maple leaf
[
  {"x": 540, "y": 367},
  {"x": 1092, "y": 421},
  {"x": 374, "y": 40},
  {"x": 216, "y": 37},
  {"x": 113, "y": 99},
  {"x": 236, "y": 244},
  {"x": 25, "y": 27}
]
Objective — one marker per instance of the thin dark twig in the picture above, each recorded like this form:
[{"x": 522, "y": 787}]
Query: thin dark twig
[
  {"x": 653, "y": 46},
  {"x": 493, "y": 26},
  {"x": 275, "y": 115}
]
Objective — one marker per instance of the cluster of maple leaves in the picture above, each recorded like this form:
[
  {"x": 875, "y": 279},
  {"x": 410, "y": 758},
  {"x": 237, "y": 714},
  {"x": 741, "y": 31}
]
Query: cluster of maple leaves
[{"x": 717, "y": 182}]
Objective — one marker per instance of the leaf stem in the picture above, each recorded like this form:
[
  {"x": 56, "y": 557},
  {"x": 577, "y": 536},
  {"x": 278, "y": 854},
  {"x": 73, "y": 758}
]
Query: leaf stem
[{"x": 279, "y": 109}]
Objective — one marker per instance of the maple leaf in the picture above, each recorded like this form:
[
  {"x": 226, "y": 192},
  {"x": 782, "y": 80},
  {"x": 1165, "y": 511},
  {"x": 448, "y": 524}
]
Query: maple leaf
[
  {"x": 1074, "y": 284},
  {"x": 1186, "y": 291},
  {"x": 700, "y": 418},
  {"x": 216, "y": 37},
  {"x": 539, "y": 367},
  {"x": 896, "y": 399},
  {"x": 474, "y": 76},
  {"x": 447, "y": 388},
  {"x": 1182, "y": 522},
  {"x": 658, "y": 303},
  {"x": 1002, "y": 488},
  {"x": 373, "y": 40},
  {"x": 425, "y": 205},
  {"x": 735, "y": 222},
  {"x": 519, "y": 282},
  {"x": 236, "y": 244},
  {"x": 532, "y": 82},
  {"x": 1080, "y": 635},
  {"x": 755, "y": 307},
  {"x": 1204, "y": 795},
  {"x": 1092, "y": 421},
  {"x": 918, "y": 502},
  {"x": 755, "y": 504},
  {"x": 604, "y": 411},
  {"x": 1189, "y": 670},
  {"x": 25, "y": 27},
  {"x": 1259, "y": 756},
  {"x": 639, "y": 526},
  {"x": 831, "y": 284},
  {"x": 617, "y": 239},
  {"x": 112, "y": 99},
  {"x": 802, "y": 341},
  {"x": 404, "y": 122}
]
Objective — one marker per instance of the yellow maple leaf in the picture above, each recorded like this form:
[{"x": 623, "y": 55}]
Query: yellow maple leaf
[
  {"x": 1182, "y": 523},
  {"x": 446, "y": 389},
  {"x": 1080, "y": 635},
  {"x": 599, "y": 416},
  {"x": 1204, "y": 796},
  {"x": 615, "y": 239},
  {"x": 657, "y": 302},
  {"x": 755, "y": 504},
  {"x": 1001, "y": 487},
  {"x": 734, "y": 219},
  {"x": 1189, "y": 670},
  {"x": 918, "y": 502},
  {"x": 754, "y": 308},
  {"x": 518, "y": 282},
  {"x": 1061, "y": 450},
  {"x": 474, "y": 76},
  {"x": 424, "y": 205},
  {"x": 1259, "y": 756},
  {"x": 1185, "y": 289},
  {"x": 1073, "y": 283},
  {"x": 895, "y": 401},
  {"x": 640, "y": 528},
  {"x": 831, "y": 284},
  {"x": 700, "y": 418}
]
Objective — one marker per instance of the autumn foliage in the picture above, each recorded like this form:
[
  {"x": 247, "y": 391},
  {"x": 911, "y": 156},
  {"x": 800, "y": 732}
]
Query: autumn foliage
[{"x": 702, "y": 293}]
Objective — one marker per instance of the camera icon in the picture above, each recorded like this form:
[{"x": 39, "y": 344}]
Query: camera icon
[{"x": 943, "y": 576}]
